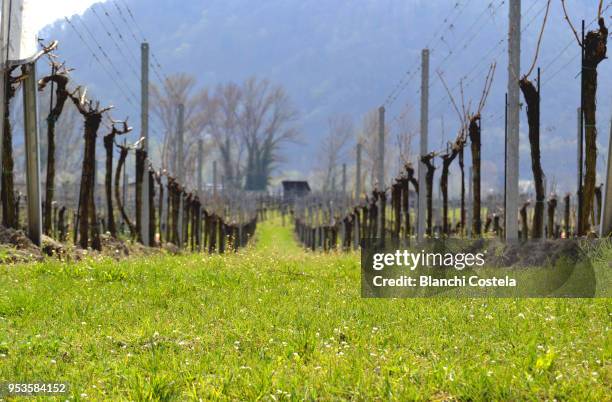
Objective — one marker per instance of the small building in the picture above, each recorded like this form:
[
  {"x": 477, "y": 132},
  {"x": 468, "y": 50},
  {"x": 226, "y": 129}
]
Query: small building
[{"x": 294, "y": 189}]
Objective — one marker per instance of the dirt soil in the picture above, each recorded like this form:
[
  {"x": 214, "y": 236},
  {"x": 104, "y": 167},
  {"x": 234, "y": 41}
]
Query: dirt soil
[{"x": 15, "y": 247}]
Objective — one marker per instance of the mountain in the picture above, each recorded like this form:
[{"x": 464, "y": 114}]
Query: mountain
[{"x": 341, "y": 56}]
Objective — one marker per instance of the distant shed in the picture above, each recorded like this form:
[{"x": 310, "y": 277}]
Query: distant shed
[{"x": 294, "y": 189}]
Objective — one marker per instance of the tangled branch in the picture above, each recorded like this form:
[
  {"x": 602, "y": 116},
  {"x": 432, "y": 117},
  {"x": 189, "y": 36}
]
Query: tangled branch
[
  {"x": 452, "y": 99},
  {"x": 487, "y": 88},
  {"x": 535, "y": 58},
  {"x": 570, "y": 24}
]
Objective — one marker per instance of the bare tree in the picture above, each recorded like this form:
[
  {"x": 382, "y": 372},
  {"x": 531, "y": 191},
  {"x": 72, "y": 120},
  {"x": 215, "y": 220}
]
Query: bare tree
[
  {"x": 199, "y": 111},
  {"x": 196, "y": 128},
  {"x": 447, "y": 160},
  {"x": 117, "y": 128},
  {"x": 429, "y": 176},
  {"x": 368, "y": 136},
  {"x": 59, "y": 77},
  {"x": 404, "y": 136},
  {"x": 265, "y": 124},
  {"x": 224, "y": 128},
  {"x": 11, "y": 84},
  {"x": 123, "y": 153},
  {"x": 407, "y": 180},
  {"x": 9, "y": 209},
  {"x": 68, "y": 155},
  {"x": 475, "y": 146},
  {"x": 333, "y": 147},
  {"x": 175, "y": 90},
  {"x": 552, "y": 205},
  {"x": 456, "y": 149},
  {"x": 462, "y": 212},
  {"x": 532, "y": 98},
  {"x": 524, "y": 223},
  {"x": 594, "y": 48},
  {"x": 92, "y": 114}
]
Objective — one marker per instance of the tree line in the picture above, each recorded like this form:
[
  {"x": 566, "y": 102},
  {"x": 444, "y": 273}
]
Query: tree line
[{"x": 245, "y": 125}]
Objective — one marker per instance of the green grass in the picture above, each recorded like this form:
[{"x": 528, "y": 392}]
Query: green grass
[{"x": 276, "y": 323}]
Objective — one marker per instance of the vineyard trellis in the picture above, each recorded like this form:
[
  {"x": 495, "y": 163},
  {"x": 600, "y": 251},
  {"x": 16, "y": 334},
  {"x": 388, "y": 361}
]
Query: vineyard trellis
[
  {"x": 361, "y": 215},
  {"x": 166, "y": 209},
  {"x": 214, "y": 228}
]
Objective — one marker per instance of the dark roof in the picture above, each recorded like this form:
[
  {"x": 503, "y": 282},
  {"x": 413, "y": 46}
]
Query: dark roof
[{"x": 296, "y": 185}]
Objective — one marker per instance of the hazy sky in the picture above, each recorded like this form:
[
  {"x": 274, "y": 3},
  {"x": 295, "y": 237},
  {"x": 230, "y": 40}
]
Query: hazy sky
[{"x": 49, "y": 11}]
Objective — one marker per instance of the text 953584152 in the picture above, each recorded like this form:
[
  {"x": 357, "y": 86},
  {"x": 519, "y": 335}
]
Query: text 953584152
[{"x": 24, "y": 388}]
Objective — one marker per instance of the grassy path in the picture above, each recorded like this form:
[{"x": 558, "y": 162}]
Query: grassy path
[
  {"x": 276, "y": 323},
  {"x": 271, "y": 236}
]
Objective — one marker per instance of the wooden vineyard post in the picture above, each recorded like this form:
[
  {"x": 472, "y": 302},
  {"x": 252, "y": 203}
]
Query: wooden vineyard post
[
  {"x": 524, "y": 223},
  {"x": 580, "y": 161},
  {"x": 427, "y": 160},
  {"x": 140, "y": 175},
  {"x": 599, "y": 202},
  {"x": 159, "y": 178},
  {"x": 405, "y": 207},
  {"x": 605, "y": 227},
  {"x": 180, "y": 211},
  {"x": 475, "y": 135},
  {"x": 198, "y": 224},
  {"x": 205, "y": 229},
  {"x": 566, "y": 215},
  {"x": 552, "y": 205},
  {"x": 212, "y": 247},
  {"x": 396, "y": 202},
  {"x": 61, "y": 224},
  {"x": 186, "y": 201},
  {"x": 411, "y": 180},
  {"x": 383, "y": 214},
  {"x": 381, "y": 168},
  {"x": 221, "y": 236},
  {"x": 151, "y": 209},
  {"x": 469, "y": 210},
  {"x": 169, "y": 209},
  {"x": 356, "y": 228},
  {"x": 373, "y": 216}
]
